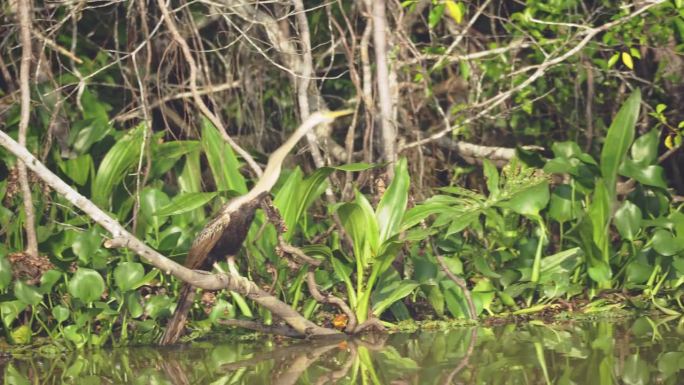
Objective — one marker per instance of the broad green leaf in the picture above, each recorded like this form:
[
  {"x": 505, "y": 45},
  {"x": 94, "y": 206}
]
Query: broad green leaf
[
  {"x": 78, "y": 169},
  {"x": 667, "y": 244},
  {"x": 185, "y": 202},
  {"x": 613, "y": 59},
  {"x": 530, "y": 201},
  {"x": 482, "y": 265},
  {"x": 61, "y": 313},
  {"x": 27, "y": 294},
  {"x": 128, "y": 275},
  {"x": 165, "y": 155},
  {"x": 599, "y": 211},
  {"x": 418, "y": 213},
  {"x": 10, "y": 310},
  {"x": 628, "y": 220},
  {"x": 645, "y": 148},
  {"x": 652, "y": 175},
  {"x": 223, "y": 163},
  {"x": 85, "y": 244},
  {"x": 115, "y": 165},
  {"x": 21, "y": 335},
  {"x": 562, "y": 262},
  {"x": 344, "y": 274},
  {"x": 393, "y": 203},
  {"x": 48, "y": 280},
  {"x": 562, "y": 208},
  {"x": 152, "y": 200},
  {"x": 389, "y": 294},
  {"x": 86, "y": 285},
  {"x": 97, "y": 123},
  {"x": 618, "y": 139},
  {"x": 599, "y": 271}
]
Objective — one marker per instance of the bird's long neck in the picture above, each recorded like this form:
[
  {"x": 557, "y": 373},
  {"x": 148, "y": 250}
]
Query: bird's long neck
[{"x": 275, "y": 161}]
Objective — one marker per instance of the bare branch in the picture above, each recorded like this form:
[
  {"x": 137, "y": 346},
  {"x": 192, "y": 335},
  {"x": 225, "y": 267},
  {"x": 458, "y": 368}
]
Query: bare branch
[{"x": 24, "y": 12}]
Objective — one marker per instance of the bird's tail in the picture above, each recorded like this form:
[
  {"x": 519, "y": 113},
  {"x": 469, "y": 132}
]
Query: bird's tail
[{"x": 175, "y": 327}]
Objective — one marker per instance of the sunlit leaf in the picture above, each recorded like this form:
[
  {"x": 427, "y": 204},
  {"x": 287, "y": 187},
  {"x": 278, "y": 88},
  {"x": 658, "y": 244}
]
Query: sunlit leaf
[
  {"x": 128, "y": 275},
  {"x": 627, "y": 60},
  {"x": 393, "y": 203},
  {"x": 86, "y": 285},
  {"x": 618, "y": 139}
]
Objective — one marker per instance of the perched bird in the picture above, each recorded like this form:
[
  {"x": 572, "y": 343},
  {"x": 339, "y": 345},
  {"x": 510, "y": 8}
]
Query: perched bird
[{"x": 223, "y": 236}]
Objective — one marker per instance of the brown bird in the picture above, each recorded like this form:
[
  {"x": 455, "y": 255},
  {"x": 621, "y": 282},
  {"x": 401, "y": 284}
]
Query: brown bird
[{"x": 223, "y": 236}]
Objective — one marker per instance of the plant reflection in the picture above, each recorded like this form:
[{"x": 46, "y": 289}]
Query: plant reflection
[{"x": 636, "y": 352}]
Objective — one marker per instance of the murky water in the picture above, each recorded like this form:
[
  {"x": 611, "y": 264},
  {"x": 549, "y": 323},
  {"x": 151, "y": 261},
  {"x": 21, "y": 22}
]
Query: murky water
[{"x": 642, "y": 351}]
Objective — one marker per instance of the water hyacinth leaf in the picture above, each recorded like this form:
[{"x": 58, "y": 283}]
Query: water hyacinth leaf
[
  {"x": 599, "y": 271},
  {"x": 223, "y": 163},
  {"x": 667, "y": 244},
  {"x": 86, "y": 285},
  {"x": 393, "y": 203},
  {"x": 619, "y": 137},
  {"x": 27, "y": 294},
  {"x": 628, "y": 220},
  {"x": 133, "y": 304},
  {"x": 10, "y": 310},
  {"x": 116, "y": 163},
  {"x": 61, "y": 313},
  {"x": 185, "y": 202},
  {"x": 127, "y": 275},
  {"x": 48, "y": 280},
  {"x": 86, "y": 244},
  {"x": 21, "y": 335}
]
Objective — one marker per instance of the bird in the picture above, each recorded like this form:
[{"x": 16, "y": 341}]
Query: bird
[{"x": 224, "y": 234}]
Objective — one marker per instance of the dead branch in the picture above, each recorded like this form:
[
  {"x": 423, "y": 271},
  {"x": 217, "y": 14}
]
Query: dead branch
[{"x": 24, "y": 11}]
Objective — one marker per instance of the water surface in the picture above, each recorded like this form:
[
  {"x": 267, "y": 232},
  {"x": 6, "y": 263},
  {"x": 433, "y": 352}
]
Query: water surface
[{"x": 641, "y": 351}]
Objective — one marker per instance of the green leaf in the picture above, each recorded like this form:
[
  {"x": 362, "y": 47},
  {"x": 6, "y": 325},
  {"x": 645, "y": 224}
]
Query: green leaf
[
  {"x": 386, "y": 295},
  {"x": 613, "y": 59},
  {"x": 393, "y": 203},
  {"x": 529, "y": 201},
  {"x": 14, "y": 377},
  {"x": 667, "y": 244},
  {"x": 562, "y": 208},
  {"x": 78, "y": 169},
  {"x": 165, "y": 155},
  {"x": 5, "y": 272},
  {"x": 652, "y": 175},
  {"x": 61, "y": 313},
  {"x": 435, "y": 15},
  {"x": 85, "y": 244},
  {"x": 492, "y": 176},
  {"x": 185, "y": 202},
  {"x": 599, "y": 271},
  {"x": 618, "y": 139},
  {"x": 628, "y": 220},
  {"x": 86, "y": 285},
  {"x": 151, "y": 201},
  {"x": 645, "y": 148},
  {"x": 10, "y": 310},
  {"x": 21, "y": 335},
  {"x": 27, "y": 294},
  {"x": 115, "y": 165},
  {"x": 128, "y": 275},
  {"x": 223, "y": 163}
]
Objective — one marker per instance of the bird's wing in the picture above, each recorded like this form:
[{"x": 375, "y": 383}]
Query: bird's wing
[{"x": 205, "y": 241}]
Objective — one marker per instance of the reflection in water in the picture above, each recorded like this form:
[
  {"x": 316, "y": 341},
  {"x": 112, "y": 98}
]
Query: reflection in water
[{"x": 643, "y": 351}]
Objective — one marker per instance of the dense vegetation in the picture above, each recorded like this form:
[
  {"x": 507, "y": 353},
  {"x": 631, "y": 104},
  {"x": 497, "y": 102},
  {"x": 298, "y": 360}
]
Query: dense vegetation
[{"x": 502, "y": 158}]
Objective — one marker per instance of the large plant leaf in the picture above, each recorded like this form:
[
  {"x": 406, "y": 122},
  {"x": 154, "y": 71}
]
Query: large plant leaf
[
  {"x": 86, "y": 285},
  {"x": 393, "y": 203},
  {"x": 166, "y": 154},
  {"x": 628, "y": 220},
  {"x": 618, "y": 139},
  {"x": 529, "y": 201},
  {"x": 185, "y": 202},
  {"x": 113, "y": 168},
  {"x": 223, "y": 163}
]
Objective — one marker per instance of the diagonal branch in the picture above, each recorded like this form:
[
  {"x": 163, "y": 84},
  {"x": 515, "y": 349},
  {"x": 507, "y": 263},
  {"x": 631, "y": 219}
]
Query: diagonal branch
[{"x": 122, "y": 238}]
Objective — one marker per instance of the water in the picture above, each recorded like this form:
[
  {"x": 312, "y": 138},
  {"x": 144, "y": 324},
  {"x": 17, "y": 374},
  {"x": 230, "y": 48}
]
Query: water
[{"x": 641, "y": 351}]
